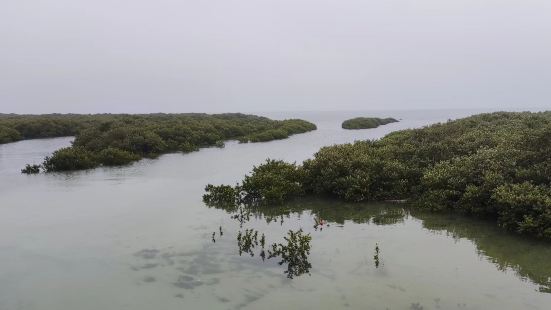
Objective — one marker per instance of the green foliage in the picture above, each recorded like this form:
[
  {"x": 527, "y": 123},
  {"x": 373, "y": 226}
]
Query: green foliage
[
  {"x": 115, "y": 157},
  {"x": 525, "y": 207},
  {"x": 294, "y": 252},
  {"x": 8, "y": 134},
  {"x": 282, "y": 130},
  {"x": 493, "y": 165},
  {"x": 466, "y": 182},
  {"x": 222, "y": 195},
  {"x": 187, "y": 147},
  {"x": 22, "y": 127},
  {"x": 70, "y": 158},
  {"x": 356, "y": 172},
  {"x": 366, "y": 122},
  {"x": 247, "y": 241},
  {"x": 268, "y": 135},
  {"x": 131, "y": 137},
  {"x": 272, "y": 182},
  {"x": 31, "y": 169}
]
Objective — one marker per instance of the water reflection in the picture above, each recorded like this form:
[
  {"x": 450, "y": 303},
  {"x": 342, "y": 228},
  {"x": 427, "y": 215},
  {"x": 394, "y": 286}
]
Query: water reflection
[
  {"x": 274, "y": 250},
  {"x": 376, "y": 256},
  {"x": 529, "y": 259},
  {"x": 324, "y": 212},
  {"x": 246, "y": 242},
  {"x": 293, "y": 252}
]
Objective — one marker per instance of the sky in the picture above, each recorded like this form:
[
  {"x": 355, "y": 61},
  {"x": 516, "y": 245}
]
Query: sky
[{"x": 143, "y": 56}]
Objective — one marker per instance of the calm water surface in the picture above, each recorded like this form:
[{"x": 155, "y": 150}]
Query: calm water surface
[{"x": 139, "y": 237}]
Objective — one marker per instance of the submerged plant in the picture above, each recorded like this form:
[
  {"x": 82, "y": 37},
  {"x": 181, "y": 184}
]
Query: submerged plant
[
  {"x": 31, "y": 169},
  {"x": 294, "y": 253},
  {"x": 376, "y": 256},
  {"x": 247, "y": 242}
]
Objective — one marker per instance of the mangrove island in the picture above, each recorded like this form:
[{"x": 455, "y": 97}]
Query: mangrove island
[
  {"x": 366, "y": 122},
  {"x": 494, "y": 165},
  {"x": 118, "y": 139}
]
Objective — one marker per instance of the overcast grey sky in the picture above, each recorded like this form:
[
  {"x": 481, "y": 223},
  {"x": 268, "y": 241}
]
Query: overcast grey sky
[{"x": 265, "y": 55}]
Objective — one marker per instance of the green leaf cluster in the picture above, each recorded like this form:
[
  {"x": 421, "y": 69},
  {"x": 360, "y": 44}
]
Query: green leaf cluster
[
  {"x": 273, "y": 182},
  {"x": 222, "y": 195},
  {"x": 294, "y": 252}
]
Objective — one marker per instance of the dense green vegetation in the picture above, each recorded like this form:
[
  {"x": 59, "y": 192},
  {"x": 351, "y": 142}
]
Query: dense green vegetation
[
  {"x": 490, "y": 165},
  {"x": 272, "y": 182},
  {"x": 119, "y": 139},
  {"x": 14, "y": 127},
  {"x": 366, "y": 122}
]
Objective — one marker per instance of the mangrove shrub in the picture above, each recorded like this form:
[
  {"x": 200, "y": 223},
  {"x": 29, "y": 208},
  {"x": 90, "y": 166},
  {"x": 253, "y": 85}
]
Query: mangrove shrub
[{"x": 493, "y": 165}]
